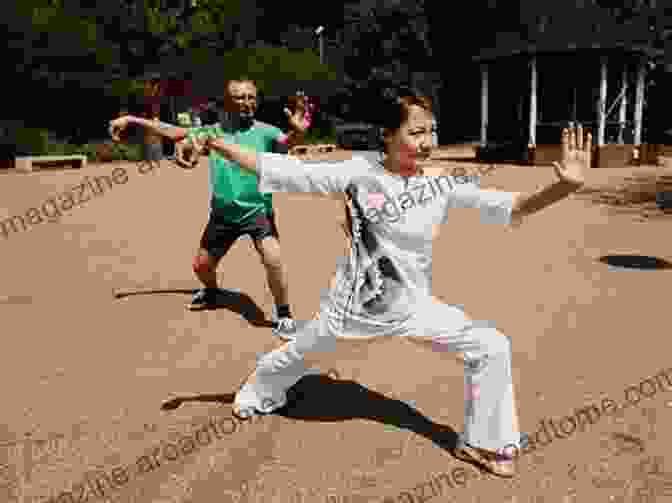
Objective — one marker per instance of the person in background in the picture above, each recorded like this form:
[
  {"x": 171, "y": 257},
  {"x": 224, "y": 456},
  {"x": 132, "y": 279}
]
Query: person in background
[
  {"x": 153, "y": 142},
  {"x": 237, "y": 208}
]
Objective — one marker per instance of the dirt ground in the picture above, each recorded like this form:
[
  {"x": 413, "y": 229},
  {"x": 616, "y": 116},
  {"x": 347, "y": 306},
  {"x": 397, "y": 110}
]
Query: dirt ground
[{"x": 85, "y": 376}]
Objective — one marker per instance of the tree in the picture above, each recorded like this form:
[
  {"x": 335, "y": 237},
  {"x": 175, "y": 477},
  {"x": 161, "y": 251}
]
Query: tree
[{"x": 385, "y": 37}]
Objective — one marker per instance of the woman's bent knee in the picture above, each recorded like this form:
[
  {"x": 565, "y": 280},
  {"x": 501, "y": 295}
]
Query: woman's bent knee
[
  {"x": 493, "y": 342},
  {"x": 499, "y": 343}
]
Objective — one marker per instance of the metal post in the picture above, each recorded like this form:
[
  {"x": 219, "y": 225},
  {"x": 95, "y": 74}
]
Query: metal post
[
  {"x": 320, "y": 33},
  {"x": 602, "y": 103},
  {"x": 484, "y": 105},
  {"x": 533, "y": 103},
  {"x": 639, "y": 102},
  {"x": 624, "y": 106}
]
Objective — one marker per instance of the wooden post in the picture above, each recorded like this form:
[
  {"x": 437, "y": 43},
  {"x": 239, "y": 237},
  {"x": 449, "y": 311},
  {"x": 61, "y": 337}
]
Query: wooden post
[
  {"x": 639, "y": 102},
  {"x": 624, "y": 105},
  {"x": 533, "y": 103},
  {"x": 484, "y": 105},
  {"x": 602, "y": 103}
]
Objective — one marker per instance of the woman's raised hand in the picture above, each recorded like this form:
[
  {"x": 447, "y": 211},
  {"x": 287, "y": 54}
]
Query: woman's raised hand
[{"x": 576, "y": 156}]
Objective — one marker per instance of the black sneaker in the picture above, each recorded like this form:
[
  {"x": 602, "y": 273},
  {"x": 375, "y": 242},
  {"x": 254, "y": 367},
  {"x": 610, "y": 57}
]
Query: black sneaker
[{"x": 203, "y": 299}]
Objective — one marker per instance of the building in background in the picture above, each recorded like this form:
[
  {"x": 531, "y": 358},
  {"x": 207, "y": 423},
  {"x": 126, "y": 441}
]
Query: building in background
[{"x": 601, "y": 74}]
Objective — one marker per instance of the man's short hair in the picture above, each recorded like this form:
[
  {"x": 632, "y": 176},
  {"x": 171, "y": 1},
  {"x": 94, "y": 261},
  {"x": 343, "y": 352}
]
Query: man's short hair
[{"x": 241, "y": 80}]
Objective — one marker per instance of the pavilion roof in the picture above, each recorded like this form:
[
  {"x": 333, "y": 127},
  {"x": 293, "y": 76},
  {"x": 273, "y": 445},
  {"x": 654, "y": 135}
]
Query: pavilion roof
[
  {"x": 568, "y": 47},
  {"x": 580, "y": 30}
]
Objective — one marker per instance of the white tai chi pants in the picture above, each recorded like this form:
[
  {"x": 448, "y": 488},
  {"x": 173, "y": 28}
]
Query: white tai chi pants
[{"x": 489, "y": 401}]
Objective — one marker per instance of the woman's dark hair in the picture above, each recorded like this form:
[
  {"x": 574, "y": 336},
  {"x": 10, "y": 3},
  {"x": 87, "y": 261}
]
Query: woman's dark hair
[{"x": 396, "y": 103}]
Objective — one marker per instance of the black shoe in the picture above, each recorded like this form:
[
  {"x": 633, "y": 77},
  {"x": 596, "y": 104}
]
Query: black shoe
[{"x": 203, "y": 299}]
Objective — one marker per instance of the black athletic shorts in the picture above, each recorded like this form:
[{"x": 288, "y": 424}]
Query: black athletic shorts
[
  {"x": 152, "y": 151},
  {"x": 219, "y": 235}
]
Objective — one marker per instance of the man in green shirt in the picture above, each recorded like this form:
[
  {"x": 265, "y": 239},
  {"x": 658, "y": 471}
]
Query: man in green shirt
[{"x": 237, "y": 208}]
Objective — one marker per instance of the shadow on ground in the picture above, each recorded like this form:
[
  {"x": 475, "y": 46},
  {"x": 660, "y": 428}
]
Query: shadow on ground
[
  {"x": 16, "y": 300},
  {"x": 321, "y": 398},
  {"x": 636, "y": 262},
  {"x": 236, "y": 302},
  {"x": 456, "y": 158}
]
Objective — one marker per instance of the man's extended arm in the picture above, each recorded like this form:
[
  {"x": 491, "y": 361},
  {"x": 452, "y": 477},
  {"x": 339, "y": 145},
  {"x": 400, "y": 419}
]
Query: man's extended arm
[{"x": 174, "y": 133}]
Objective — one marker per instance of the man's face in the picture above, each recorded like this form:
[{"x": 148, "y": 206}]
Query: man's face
[{"x": 242, "y": 99}]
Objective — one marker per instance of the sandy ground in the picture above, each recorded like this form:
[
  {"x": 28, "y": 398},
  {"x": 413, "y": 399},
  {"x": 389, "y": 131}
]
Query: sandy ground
[{"x": 84, "y": 375}]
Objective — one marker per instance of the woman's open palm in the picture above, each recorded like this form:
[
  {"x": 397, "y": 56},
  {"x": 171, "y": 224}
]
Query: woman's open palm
[{"x": 576, "y": 156}]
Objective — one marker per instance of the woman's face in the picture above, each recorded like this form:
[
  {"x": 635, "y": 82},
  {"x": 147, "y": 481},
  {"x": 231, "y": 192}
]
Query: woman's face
[{"x": 411, "y": 144}]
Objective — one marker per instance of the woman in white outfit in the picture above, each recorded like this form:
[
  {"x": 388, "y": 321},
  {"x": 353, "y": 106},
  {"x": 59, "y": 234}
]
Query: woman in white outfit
[{"x": 384, "y": 287}]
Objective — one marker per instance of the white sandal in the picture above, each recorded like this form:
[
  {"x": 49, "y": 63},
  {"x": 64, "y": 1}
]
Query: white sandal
[{"x": 248, "y": 404}]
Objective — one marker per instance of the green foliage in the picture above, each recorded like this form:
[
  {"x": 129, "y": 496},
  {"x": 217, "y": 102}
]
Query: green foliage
[
  {"x": 29, "y": 141},
  {"x": 55, "y": 147},
  {"x": 125, "y": 88},
  {"x": 96, "y": 152},
  {"x": 127, "y": 152},
  {"x": 271, "y": 67},
  {"x": 325, "y": 134},
  {"x": 386, "y": 34},
  {"x": 268, "y": 65},
  {"x": 39, "y": 141}
]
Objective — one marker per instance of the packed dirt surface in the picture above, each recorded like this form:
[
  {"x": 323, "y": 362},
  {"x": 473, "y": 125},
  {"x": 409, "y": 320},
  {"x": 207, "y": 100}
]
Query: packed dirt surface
[{"x": 126, "y": 398}]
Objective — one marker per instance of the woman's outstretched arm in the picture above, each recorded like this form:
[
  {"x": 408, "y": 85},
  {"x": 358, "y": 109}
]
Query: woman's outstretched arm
[
  {"x": 510, "y": 207},
  {"x": 527, "y": 204}
]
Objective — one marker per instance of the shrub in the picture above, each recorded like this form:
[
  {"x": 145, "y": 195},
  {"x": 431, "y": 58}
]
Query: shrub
[
  {"x": 104, "y": 151},
  {"x": 20, "y": 141},
  {"x": 127, "y": 152},
  {"x": 56, "y": 147},
  {"x": 109, "y": 151},
  {"x": 89, "y": 150},
  {"x": 29, "y": 141},
  {"x": 317, "y": 134}
]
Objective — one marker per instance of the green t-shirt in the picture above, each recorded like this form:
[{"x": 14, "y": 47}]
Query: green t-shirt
[{"x": 233, "y": 190}]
